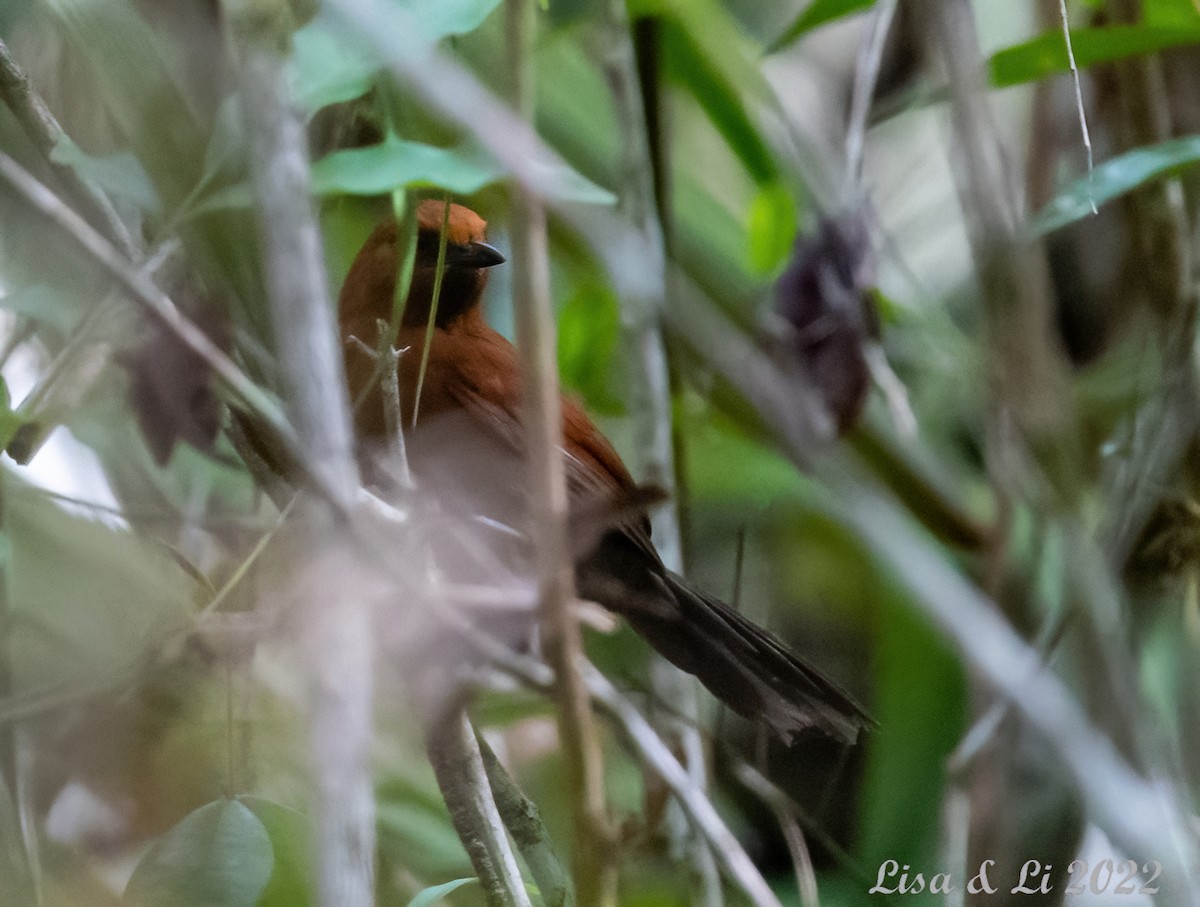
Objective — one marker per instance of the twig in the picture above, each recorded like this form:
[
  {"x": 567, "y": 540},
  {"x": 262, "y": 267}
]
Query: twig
[
  {"x": 1083, "y": 126},
  {"x": 649, "y": 403},
  {"x": 870, "y": 57},
  {"x": 595, "y": 870},
  {"x": 1027, "y": 373},
  {"x": 458, "y": 764},
  {"x": 338, "y": 637},
  {"x": 524, "y": 822},
  {"x": 733, "y": 859},
  {"x": 725, "y": 846},
  {"x": 46, "y": 134},
  {"x": 785, "y": 815},
  {"x": 427, "y": 347}
]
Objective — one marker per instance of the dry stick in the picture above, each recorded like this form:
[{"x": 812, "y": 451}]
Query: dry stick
[
  {"x": 46, "y": 134},
  {"x": 785, "y": 814},
  {"x": 870, "y": 58},
  {"x": 458, "y": 764},
  {"x": 337, "y": 635},
  {"x": 649, "y": 393},
  {"x": 1083, "y": 126},
  {"x": 524, "y": 822},
  {"x": 541, "y": 411}
]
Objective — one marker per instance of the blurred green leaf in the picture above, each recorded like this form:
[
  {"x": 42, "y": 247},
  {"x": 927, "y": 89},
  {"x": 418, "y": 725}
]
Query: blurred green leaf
[
  {"x": 138, "y": 83},
  {"x": 588, "y": 328},
  {"x": 771, "y": 227},
  {"x": 706, "y": 74},
  {"x": 16, "y": 880},
  {"x": 1114, "y": 178},
  {"x": 330, "y": 66},
  {"x": 396, "y": 163},
  {"x": 920, "y": 704},
  {"x": 818, "y": 13},
  {"x": 9, "y": 420},
  {"x": 218, "y": 856},
  {"x": 430, "y": 896},
  {"x": 1047, "y": 53},
  {"x": 41, "y": 303},
  {"x": 87, "y": 599},
  {"x": 1176, "y": 13},
  {"x": 290, "y": 882},
  {"x": 120, "y": 175}
]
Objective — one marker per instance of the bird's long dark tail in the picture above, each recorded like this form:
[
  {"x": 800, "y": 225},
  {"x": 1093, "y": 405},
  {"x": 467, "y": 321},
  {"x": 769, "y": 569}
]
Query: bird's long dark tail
[{"x": 742, "y": 664}]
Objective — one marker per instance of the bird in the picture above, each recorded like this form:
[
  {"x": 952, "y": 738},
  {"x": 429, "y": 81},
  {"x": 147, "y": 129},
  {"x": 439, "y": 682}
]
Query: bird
[{"x": 467, "y": 421}]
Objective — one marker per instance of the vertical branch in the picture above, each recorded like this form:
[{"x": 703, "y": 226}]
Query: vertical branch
[
  {"x": 524, "y": 822},
  {"x": 337, "y": 634},
  {"x": 1158, "y": 222},
  {"x": 458, "y": 764},
  {"x": 1027, "y": 375},
  {"x": 649, "y": 394},
  {"x": 542, "y": 414}
]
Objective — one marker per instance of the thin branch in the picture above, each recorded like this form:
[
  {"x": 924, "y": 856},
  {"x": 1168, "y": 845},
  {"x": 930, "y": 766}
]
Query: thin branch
[
  {"x": 648, "y": 389},
  {"x": 595, "y": 869},
  {"x": 524, "y": 822},
  {"x": 46, "y": 134},
  {"x": 1083, "y": 126},
  {"x": 733, "y": 859},
  {"x": 786, "y": 815},
  {"x": 870, "y": 58},
  {"x": 458, "y": 764},
  {"x": 338, "y": 636}
]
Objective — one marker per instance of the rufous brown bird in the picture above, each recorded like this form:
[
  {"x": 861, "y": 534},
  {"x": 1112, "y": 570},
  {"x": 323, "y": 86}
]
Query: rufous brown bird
[{"x": 468, "y": 425}]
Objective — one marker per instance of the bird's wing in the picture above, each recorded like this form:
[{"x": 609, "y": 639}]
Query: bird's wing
[{"x": 486, "y": 384}]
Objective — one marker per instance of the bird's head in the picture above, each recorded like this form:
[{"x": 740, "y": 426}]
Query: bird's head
[{"x": 371, "y": 283}]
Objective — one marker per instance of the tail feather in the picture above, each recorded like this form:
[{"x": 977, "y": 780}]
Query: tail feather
[{"x": 740, "y": 663}]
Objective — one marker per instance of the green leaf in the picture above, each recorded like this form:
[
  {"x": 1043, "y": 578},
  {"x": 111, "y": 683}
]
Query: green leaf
[
  {"x": 396, "y": 163},
  {"x": 220, "y": 855},
  {"x": 1114, "y": 178},
  {"x": 815, "y": 14},
  {"x": 330, "y": 65},
  {"x": 16, "y": 880},
  {"x": 9, "y": 420},
  {"x": 920, "y": 700},
  {"x": 1047, "y": 53},
  {"x": 771, "y": 227},
  {"x": 43, "y": 304},
  {"x": 702, "y": 70},
  {"x": 120, "y": 175},
  {"x": 290, "y": 884},
  {"x": 588, "y": 328},
  {"x": 430, "y": 896}
]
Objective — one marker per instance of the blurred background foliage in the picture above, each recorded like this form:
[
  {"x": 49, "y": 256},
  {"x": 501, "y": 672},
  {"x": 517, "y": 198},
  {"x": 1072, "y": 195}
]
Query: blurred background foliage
[{"x": 149, "y": 760}]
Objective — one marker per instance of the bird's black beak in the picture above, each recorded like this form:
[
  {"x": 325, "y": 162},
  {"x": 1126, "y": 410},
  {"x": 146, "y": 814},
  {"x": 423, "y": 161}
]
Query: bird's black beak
[{"x": 474, "y": 255}]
